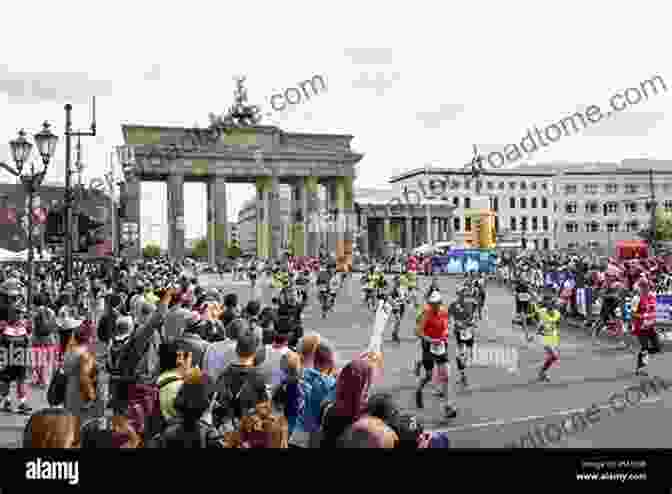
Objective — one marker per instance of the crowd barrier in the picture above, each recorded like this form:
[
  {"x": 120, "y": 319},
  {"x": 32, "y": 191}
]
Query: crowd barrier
[
  {"x": 558, "y": 278},
  {"x": 465, "y": 261}
]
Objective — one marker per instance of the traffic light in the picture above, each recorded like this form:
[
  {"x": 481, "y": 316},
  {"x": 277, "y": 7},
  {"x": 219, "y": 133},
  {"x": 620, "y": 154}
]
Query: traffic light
[
  {"x": 55, "y": 225},
  {"x": 88, "y": 228}
]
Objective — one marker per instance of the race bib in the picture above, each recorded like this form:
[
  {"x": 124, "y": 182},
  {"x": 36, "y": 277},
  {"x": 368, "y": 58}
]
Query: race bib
[
  {"x": 524, "y": 297},
  {"x": 438, "y": 349},
  {"x": 465, "y": 334}
]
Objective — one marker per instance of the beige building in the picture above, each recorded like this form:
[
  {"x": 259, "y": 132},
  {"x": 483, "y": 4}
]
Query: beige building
[{"x": 599, "y": 204}]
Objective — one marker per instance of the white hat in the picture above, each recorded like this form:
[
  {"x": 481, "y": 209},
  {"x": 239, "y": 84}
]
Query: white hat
[{"x": 434, "y": 297}]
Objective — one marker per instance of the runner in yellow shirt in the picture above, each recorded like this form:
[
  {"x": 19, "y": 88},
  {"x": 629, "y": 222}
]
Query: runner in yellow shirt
[{"x": 548, "y": 317}]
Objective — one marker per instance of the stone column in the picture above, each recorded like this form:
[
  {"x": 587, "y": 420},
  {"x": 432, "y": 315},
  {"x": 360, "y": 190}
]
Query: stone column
[
  {"x": 130, "y": 199},
  {"x": 387, "y": 235},
  {"x": 364, "y": 234},
  {"x": 275, "y": 218},
  {"x": 345, "y": 223},
  {"x": 312, "y": 225},
  {"x": 264, "y": 189},
  {"x": 217, "y": 219},
  {"x": 297, "y": 220},
  {"x": 332, "y": 209},
  {"x": 175, "y": 216},
  {"x": 428, "y": 224},
  {"x": 409, "y": 232}
]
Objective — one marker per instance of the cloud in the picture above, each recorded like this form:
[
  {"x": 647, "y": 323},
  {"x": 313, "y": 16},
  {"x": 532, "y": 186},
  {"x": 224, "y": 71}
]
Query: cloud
[
  {"x": 445, "y": 112},
  {"x": 627, "y": 123},
  {"x": 369, "y": 56},
  {"x": 35, "y": 87},
  {"x": 154, "y": 73},
  {"x": 380, "y": 83}
]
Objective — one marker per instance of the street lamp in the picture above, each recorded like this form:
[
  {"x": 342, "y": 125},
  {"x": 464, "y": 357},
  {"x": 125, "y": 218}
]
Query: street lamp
[{"x": 21, "y": 149}]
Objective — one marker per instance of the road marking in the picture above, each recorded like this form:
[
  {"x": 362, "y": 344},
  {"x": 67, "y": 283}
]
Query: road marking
[{"x": 530, "y": 418}]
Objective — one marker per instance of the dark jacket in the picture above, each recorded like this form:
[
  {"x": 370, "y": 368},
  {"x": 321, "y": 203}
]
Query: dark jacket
[{"x": 196, "y": 345}]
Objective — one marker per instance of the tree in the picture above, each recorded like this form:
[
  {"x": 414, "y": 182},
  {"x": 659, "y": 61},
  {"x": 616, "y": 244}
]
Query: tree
[
  {"x": 233, "y": 251},
  {"x": 200, "y": 249},
  {"x": 151, "y": 249},
  {"x": 663, "y": 225}
]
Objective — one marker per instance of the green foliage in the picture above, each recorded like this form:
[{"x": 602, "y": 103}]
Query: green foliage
[
  {"x": 200, "y": 249},
  {"x": 151, "y": 250},
  {"x": 663, "y": 225}
]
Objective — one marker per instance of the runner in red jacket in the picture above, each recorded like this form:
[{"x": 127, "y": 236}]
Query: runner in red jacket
[{"x": 644, "y": 325}]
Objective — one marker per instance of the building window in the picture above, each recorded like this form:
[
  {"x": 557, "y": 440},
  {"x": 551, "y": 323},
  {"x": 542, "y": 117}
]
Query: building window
[
  {"x": 631, "y": 189},
  {"x": 454, "y": 185},
  {"x": 631, "y": 207},
  {"x": 590, "y": 189},
  {"x": 544, "y": 203},
  {"x": 467, "y": 224},
  {"x": 547, "y": 244},
  {"x": 612, "y": 207},
  {"x": 667, "y": 204},
  {"x": 467, "y": 202},
  {"x": 512, "y": 203},
  {"x": 573, "y": 245},
  {"x": 501, "y": 186},
  {"x": 467, "y": 184},
  {"x": 513, "y": 224},
  {"x": 570, "y": 189},
  {"x": 456, "y": 202},
  {"x": 533, "y": 203},
  {"x": 632, "y": 226},
  {"x": 571, "y": 227},
  {"x": 523, "y": 242},
  {"x": 491, "y": 185},
  {"x": 612, "y": 227},
  {"x": 533, "y": 186},
  {"x": 456, "y": 224},
  {"x": 523, "y": 185},
  {"x": 544, "y": 186},
  {"x": 570, "y": 208},
  {"x": 495, "y": 204},
  {"x": 535, "y": 224},
  {"x": 536, "y": 244},
  {"x": 593, "y": 244},
  {"x": 523, "y": 203},
  {"x": 545, "y": 223},
  {"x": 512, "y": 185},
  {"x": 523, "y": 224},
  {"x": 592, "y": 227},
  {"x": 591, "y": 208},
  {"x": 648, "y": 206},
  {"x": 479, "y": 185},
  {"x": 612, "y": 188}
]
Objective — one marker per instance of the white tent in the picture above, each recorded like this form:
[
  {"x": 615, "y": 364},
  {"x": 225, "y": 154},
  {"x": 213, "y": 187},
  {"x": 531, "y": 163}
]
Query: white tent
[
  {"x": 424, "y": 249},
  {"x": 8, "y": 255},
  {"x": 37, "y": 255}
]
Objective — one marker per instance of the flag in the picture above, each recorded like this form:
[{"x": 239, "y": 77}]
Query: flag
[{"x": 7, "y": 216}]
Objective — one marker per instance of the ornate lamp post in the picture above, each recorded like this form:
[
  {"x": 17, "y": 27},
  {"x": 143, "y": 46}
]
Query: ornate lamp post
[{"x": 31, "y": 179}]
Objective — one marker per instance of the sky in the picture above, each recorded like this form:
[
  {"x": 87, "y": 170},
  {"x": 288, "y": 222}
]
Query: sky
[{"x": 415, "y": 84}]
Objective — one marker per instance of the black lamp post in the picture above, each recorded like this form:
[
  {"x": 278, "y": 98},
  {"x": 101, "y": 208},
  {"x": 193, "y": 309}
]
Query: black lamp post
[{"x": 31, "y": 180}]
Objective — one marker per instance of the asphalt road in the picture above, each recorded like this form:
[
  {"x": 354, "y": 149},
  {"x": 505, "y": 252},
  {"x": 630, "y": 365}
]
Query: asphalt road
[{"x": 498, "y": 407}]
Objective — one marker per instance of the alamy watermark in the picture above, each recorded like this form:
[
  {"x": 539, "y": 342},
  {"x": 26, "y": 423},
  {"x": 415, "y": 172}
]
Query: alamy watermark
[
  {"x": 500, "y": 356},
  {"x": 584, "y": 419},
  {"x": 40, "y": 469}
]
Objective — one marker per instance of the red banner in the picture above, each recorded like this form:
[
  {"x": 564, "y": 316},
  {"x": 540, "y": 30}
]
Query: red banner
[
  {"x": 7, "y": 216},
  {"x": 630, "y": 249}
]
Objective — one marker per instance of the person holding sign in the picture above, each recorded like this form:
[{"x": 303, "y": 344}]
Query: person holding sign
[{"x": 432, "y": 329}]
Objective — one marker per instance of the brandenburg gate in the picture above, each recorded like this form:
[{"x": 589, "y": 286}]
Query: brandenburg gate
[{"x": 234, "y": 148}]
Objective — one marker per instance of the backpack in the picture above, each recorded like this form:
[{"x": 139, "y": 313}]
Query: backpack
[
  {"x": 157, "y": 424},
  {"x": 140, "y": 359},
  {"x": 43, "y": 323},
  {"x": 115, "y": 353},
  {"x": 233, "y": 392},
  {"x": 207, "y": 434}
]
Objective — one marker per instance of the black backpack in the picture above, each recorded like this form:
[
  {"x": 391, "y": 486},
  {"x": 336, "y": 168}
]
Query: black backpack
[
  {"x": 234, "y": 392},
  {"x": 43, "y": 323},
  {"x": 207, "y": 435}
]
